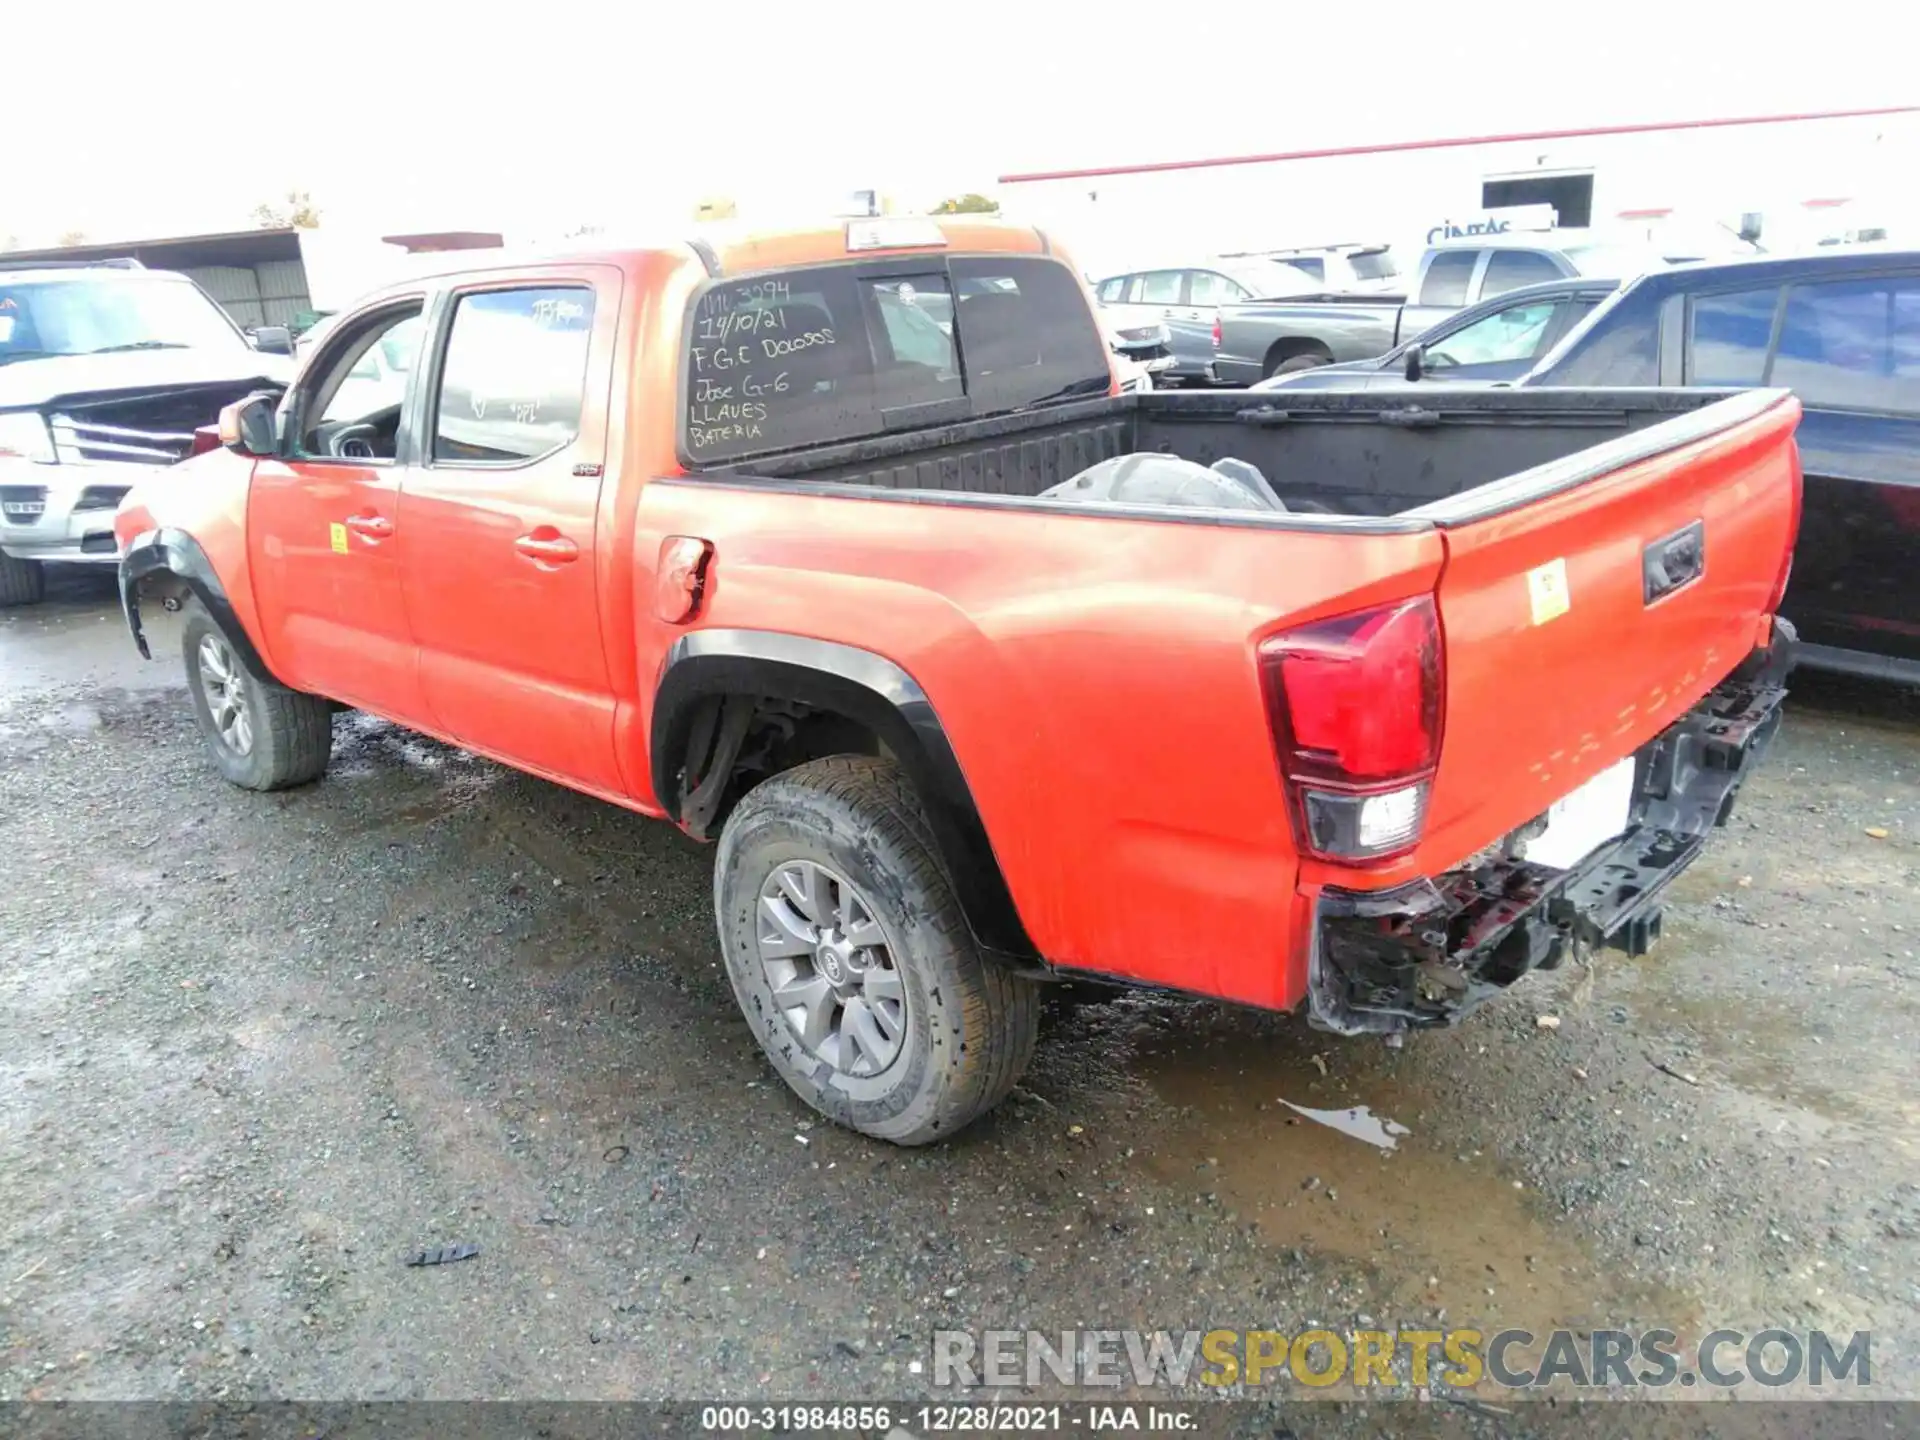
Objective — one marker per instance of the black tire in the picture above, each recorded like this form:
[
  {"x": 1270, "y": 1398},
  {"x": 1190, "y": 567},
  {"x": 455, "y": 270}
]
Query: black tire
[
  {"x": 969, "y": 1023},
  {"x": 22, "y": 582},
  {"x": 288, "y": 734},
  {"x": 1295, "y": 363}
]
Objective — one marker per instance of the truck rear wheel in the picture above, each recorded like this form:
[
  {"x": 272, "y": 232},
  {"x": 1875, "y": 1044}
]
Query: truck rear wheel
[
  {"x": 262, "y": 735},
  {"x": 1295, "y": 363},
  {"x": 22, "y": 582},
  {"x": 852, "y": 961}
]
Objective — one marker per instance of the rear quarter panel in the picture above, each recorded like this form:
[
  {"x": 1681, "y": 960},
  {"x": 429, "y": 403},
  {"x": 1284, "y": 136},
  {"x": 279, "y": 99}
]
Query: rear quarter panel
[{"x": 1096, "y": 678}]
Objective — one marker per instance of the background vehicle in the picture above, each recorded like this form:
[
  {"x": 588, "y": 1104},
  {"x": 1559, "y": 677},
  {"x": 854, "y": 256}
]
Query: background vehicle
[
  {"x": 1840, "y": 327},
  {"x": 1499, "y": 339},
  {"x": 1339, "y": 269},
  {"x": 106, "y": 370},
  {"x": 1186, "y": 300},
  {"x": 858, "y": 609},
  {"x": 1254, "y": 342}
]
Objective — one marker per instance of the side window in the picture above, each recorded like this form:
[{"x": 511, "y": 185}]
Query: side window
[
  {"x": 1109, "y": 291},
  {"x": 1512, "y": 334},
  {"x": 1447, "y": 275},
  {"x": 514, "y": 375},
  {"x": 1208, "y": 288},
  {"x": 1510, "y": 269},
  {"x": 1314, "y": 265},
  {"x": 350, "y": 399},
  {"x": 1727, "y": 337},
  {"x": 1130, "y": 293},
  {"x": 1853, "y": 344},
  {"x": 1160, "y": 287}
]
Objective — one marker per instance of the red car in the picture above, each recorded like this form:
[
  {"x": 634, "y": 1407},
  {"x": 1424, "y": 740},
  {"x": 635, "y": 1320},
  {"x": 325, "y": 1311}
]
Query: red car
[{"x": 803, "y": 543}]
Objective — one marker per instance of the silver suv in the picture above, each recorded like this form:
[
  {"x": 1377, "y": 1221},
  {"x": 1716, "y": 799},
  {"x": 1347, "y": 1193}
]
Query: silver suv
[{"x": 106, "y": 369}]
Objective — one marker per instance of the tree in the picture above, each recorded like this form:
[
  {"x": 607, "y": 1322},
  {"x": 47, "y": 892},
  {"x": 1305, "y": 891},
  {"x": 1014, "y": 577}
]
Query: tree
[
  {"x": 967, "y": 204},
  {"x": 73, "y": 237},
  {"x": 298, "y": 213}
]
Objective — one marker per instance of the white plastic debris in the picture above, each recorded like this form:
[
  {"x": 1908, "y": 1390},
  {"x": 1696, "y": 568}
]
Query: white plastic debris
[{"x": 1358, "y": 1122}]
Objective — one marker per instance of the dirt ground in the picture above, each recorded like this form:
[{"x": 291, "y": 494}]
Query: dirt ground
[{"x": 254, "y": 1050}]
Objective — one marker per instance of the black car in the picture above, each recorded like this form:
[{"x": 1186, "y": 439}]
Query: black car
[{"x": 1841, "y": 329}]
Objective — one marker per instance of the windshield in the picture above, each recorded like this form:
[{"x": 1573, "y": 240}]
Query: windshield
[{"x": 86, "y": 315}]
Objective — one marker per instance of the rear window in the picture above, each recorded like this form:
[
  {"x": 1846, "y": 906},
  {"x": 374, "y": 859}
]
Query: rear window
[
  {"x": 815, "y": 356},
  {"x": 1373, "y": 265}
]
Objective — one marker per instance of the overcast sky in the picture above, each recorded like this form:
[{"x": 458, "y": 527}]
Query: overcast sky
[{"x": 144, "y": 121}]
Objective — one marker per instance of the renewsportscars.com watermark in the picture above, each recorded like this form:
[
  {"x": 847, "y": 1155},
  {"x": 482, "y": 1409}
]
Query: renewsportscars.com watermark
[{"x": 1461, "y": 1359}]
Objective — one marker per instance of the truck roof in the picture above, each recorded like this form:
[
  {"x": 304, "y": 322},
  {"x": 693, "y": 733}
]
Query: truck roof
[
  {"x": 728, "y": 248},
  {"x": 1773, "y": 269}
]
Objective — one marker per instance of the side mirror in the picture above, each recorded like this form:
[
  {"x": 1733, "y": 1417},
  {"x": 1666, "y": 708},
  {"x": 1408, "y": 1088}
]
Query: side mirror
[
  {"x": 1416, "y": 362},
  {"x": 246, "y": 426},
  {"x": 273, "y": 340},
  {"x": 1750, "y": 226}
]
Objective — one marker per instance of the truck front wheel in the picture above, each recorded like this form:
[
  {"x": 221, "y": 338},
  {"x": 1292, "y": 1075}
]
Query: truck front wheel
[
  {"x": 262, "y": 735},
  {"x": 852, "y": 960},
  {"x": 22, "y": 582}
]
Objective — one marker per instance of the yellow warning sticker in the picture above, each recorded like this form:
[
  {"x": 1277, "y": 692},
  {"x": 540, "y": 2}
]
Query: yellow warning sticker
[
  {"x": 1547, "y": 590},
  {"x": 337, "y": 535}
]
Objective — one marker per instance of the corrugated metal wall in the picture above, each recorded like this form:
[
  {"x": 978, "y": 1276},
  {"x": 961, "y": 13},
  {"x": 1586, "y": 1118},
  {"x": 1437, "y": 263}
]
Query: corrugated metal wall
[{"x": 270, "y": 293}]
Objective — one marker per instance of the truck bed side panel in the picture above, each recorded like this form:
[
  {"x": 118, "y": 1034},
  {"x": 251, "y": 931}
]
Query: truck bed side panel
[
  {"x": 1096, "y": 678},
  {"x": 1562, "y": 655}
]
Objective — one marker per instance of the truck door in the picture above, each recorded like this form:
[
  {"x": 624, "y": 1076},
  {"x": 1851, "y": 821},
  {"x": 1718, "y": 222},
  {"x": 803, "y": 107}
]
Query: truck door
[
  {"x": 501, "y": 511},
  {"x": 322, "y": 521}
]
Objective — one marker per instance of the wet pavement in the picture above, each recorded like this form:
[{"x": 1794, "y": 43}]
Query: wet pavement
[{"x": 256, "y": 1050}]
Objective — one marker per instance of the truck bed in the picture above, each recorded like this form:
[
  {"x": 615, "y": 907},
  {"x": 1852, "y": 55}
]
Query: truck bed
[{"x": 1341, "y": 459}]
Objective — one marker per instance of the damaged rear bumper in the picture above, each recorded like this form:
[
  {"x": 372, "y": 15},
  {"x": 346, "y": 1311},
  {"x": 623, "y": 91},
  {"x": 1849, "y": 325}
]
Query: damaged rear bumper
[{"x": 1431, "y": 952}]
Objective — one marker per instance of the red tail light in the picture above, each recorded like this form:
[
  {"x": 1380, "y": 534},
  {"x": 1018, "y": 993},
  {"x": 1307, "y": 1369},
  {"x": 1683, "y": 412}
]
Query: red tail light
[
  {"x": 1216, "y": 332},
  {"x": 1355, "y": 705}
]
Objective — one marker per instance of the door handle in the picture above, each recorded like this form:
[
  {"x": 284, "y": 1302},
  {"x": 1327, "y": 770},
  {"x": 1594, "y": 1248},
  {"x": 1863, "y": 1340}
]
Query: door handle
[
  {"x": 370, "y": 527},
  {"x": 547, "y": 546}
]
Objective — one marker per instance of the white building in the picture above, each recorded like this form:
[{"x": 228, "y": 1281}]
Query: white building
[{"x": 1805, "y": 176}]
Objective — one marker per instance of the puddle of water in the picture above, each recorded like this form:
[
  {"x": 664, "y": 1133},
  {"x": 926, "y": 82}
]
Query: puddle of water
[{"x": 1439, "y": 1226}]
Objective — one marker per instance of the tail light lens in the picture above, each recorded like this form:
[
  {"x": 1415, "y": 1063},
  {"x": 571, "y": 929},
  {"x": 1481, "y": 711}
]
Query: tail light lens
[
  {"x": 1355, "y": 704},
  {"x": 1216, "y": 332}
]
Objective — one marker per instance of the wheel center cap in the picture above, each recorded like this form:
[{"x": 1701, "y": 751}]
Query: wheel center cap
[{"x": 830, "y": 965}]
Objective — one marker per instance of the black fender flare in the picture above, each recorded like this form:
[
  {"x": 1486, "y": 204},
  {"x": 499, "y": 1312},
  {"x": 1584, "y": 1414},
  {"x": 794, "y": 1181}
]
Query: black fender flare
[
  {"x": 865, "y": 687},
  {"x": 179, "y": 554}
]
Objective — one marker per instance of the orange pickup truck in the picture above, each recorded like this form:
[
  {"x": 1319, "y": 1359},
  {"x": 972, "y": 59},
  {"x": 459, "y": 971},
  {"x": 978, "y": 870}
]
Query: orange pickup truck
[{"x": 843, "y": 547}]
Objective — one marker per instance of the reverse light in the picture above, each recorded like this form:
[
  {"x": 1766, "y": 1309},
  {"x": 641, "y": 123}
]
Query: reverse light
[
  {"x": 24, "y": 436},
  {"x": 1354, "y": 704}
]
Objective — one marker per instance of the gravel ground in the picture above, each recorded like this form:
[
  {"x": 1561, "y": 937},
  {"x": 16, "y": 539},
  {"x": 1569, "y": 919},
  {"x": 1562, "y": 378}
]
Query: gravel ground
[{"x": 254, "y": 1050}]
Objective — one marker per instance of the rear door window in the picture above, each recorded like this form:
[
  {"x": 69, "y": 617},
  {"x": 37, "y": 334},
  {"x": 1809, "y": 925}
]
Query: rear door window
[
  {"x": 1161, "y": 287},
  {"x": 1448, "y": 273},
  {"x": 1728, "y": 335},
  {"x": 814, "y": 356},
  {"x": 1208, "y": 288},
  {"x": 1853, "y": 344}
]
